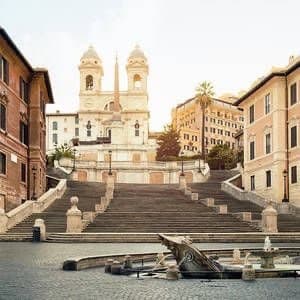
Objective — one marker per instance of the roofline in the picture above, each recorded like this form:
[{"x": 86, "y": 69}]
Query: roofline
[
  {"x": 265, "y": 80},
  {"x": 11, "y": 43},
  {"x": 61, "y": 114}
]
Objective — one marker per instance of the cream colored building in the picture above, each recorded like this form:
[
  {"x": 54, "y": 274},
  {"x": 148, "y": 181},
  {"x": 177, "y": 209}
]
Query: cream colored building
[
  {"x": 107, "y": 120},
  {"x": 222, "y": 121},
  {"x": 271, "y": 134}
]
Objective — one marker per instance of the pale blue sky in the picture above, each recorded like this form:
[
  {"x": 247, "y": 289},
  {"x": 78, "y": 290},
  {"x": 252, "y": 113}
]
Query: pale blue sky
[{"x": 228, "y": 42}]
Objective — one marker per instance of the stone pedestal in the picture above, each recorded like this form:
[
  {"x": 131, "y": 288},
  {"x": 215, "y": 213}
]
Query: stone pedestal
[
  {"x": 172, "y": 273},
  {"x": 182, "y": 183},
  {"x": 41, "y": 224},
  {"x": 107, "y": 268},
  {"x": 3, "y": 221},
  {"x": 194, "y": 196},
  {"x": 246, "y": 216},
  {"x": 248, "y": 273},
  {"x": 110, "y": 182},
  {"x": 74, "y": 215},
  {"x": 116, "y": 268},
  {"x": 269, "y": 219},
  {"x": 127, "y": 262},
  {"x": 236, "y": 257}
]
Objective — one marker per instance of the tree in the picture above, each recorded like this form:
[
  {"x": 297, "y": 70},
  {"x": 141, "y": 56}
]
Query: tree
[
  {"x": 222, "y": 157},
  {"x": 169, "y": 144},
  {"x": 204, "y": 94}
]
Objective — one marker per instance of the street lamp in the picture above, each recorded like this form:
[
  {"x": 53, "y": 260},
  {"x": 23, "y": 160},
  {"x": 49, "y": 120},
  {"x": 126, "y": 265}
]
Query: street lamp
[
  {"x": 34, "y": 169},
  {"x": 285, "y": 198},
  {"x": 199, "y": 167},
  {"x": 74, "y": 158},
  {"x": 181, "y": 154},
  {"x": 109, "y": 171}
]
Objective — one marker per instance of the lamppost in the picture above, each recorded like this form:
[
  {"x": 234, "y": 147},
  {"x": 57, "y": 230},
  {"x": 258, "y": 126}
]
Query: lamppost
[
  {"x": 74, "y": 158},
  {"x": 34, "y": 169},
  {"x": 285, "y": 198},
  {"x": 109, "y": 171},
  {"x": 199, "y": 167},
  {"x": 181, "y": 154}
]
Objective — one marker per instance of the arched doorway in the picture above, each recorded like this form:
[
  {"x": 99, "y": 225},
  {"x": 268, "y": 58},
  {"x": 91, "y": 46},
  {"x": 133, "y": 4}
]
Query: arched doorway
[{"x": 156, "y": 178}]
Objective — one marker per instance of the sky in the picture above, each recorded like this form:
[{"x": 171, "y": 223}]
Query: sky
[{"x": 228, "y": 42}]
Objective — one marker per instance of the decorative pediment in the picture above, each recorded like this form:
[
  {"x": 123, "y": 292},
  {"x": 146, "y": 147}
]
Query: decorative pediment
[{"x": 3, "y": 97}]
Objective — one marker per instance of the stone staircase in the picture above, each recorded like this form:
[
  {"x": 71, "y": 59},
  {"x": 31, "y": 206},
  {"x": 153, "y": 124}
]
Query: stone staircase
[
  {"x": 139, "y": 208},
  {"x": 212, "y": 188},
  {"x": 55, "y": 215}
]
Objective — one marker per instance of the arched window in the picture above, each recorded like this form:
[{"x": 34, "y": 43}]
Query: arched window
[
  {"x": 109, "y": 133},
  {"x": 89, "y": 82},
  {"x": 54, "y": 125},
  {"x": 137, "y": 128},
  {"x": 89, "y": 128},
  {"x": 137, "y": 81}
]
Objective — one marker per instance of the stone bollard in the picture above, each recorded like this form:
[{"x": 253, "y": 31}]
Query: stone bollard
[
  {"x": 182, "y": 183},
  {"x": 3, "y": 221},
  {"x": 172, "y": 273},
  {"x": 194, "y": 196},
  {"x": 116, "y": 267},
  {"x": 246, "y": 216},
  {"x": 74, "y": 221},
  {"x": 269, "y": 219},
  {"x": 41, "y": 224},
  {"x": 127, "y": 262},
  {"x": 107, "y": 267},
  {"x": 248, "y": 273},
  {"x": 236, "y": 257},
  {"x": 222, "y": 209}
]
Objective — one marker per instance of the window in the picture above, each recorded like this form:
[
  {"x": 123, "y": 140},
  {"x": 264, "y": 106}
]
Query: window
[
  {"x": 89, "y": 82},
  {"x": 293, "y": 93},
  {"x": 252, "y": 154},
  {"x": 54, "y": 125},
  {"x": 23, "y": 172},
  {"x": 2, "y": 116},
  {"x": 268, "y": 179},
  {"x": 294, "y": 174},
  {"x": 76, "y": 131},
  {"x": 251, "y": 114},
  {"x": 213, "y": 141},
  {"x": 23, "y": 133},
  {"x": 137, "y": 128},
  {"x": 252, "y": 183},
  {"x": 206, "y": 129},
  {"x": 89, "y": 128},
  {"x": 2, "y": 163},
  {"x": 23, "y": 89},
  {"x": 268, "y": 143},
  {"x": 54, "y": 138},
  {"x": 76, "y": 120},
  {"x": 293, "y": 136},
  {"x": 4, "y": 70},
  {"x": 267, "y": 104}
]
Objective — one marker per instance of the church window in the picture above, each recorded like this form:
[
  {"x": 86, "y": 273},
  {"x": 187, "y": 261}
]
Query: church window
[
  {"x": 54, "y": 125},
  {"x": 89, "y": 82},
  {"x": 137, "y": 81},
  {"x": 137, "y": 128},
  {"x": 89, "y": 129}
]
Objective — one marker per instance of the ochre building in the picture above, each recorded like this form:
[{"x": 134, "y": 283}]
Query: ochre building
[
  {"x": 222, "y": 121},
  {"x": 271, "y": 134},
  {"x": 24, "y": 93}
]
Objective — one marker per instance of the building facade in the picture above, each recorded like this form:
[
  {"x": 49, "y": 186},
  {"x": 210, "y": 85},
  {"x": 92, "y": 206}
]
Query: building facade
[
  {"x": 24, "y": 93},
  {"x": 271, "y": 134},
  {"x": 222, "y": 121},
  {"x": 116, "y": 121}
]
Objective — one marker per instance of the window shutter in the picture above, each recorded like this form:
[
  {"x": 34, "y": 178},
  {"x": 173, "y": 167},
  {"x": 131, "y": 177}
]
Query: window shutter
[
  {"x": 20, "y": 87},
  {"x": 1, "y": 67},
  {"x": 3, "y": 117},
  {"x": 6, "y": 72}
]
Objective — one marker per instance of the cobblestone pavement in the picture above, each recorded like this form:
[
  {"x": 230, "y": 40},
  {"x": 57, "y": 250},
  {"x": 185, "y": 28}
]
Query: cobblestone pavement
[{"x": 33, "y": 271}]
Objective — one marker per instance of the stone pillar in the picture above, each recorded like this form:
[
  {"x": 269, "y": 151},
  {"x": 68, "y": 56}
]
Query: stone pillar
[
  {"x": 194, "y": 196},
  {"x": 182, "y": 182},
  {"x": 269, "y": 219},
  {"x": 74, "y": 221},
  {"x": 41, "y": 224},
  {"x": 110, "y": 181},
  {"x": 3, "y": 221}
]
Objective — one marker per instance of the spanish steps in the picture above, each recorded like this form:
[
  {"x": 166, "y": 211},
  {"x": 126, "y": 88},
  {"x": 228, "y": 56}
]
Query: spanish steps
[{"x": 141, "y": 208}]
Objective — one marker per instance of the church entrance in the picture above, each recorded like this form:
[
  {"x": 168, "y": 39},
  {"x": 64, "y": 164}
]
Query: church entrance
[{"x": 82, "y": 175}]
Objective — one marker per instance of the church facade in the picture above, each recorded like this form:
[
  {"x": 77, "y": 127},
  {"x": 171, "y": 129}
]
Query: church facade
[{"x": 116, "y": 121}]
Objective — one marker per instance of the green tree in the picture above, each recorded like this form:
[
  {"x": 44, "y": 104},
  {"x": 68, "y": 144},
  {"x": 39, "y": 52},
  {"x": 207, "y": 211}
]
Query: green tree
[
  {"x": 60, "y": 152},
  {"x": 222, "y": 157},
  {"x": 169, "y": 144},
  {"x": 204, "y": 94}
]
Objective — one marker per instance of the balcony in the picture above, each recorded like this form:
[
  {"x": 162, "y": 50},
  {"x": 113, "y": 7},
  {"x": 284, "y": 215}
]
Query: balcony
[{"x": 98, "y": 141}]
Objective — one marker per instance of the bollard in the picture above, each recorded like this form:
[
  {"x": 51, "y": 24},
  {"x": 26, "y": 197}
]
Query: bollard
[
  {"x": 41, "y": 225},
  {"x": 172, "y": 273},
  {"x": 74, "y": 215},
  {"x": 107, "y": 267},
  {"x": 36, "y": 234},
  {"x": 248, "y": 273},
  {"x": 127, "y": 262},
  {"x": 116, "y": 268}
]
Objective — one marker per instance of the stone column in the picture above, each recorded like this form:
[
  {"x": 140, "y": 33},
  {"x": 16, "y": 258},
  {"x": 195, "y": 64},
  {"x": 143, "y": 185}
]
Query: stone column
[
  {"x": 182, "y": 182},
  {"x": 41, "y": 224},
  {"x": 269, "y": 219},
  {"x": 74, "y": 215},
  {"x": 3, "y": 221}
]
